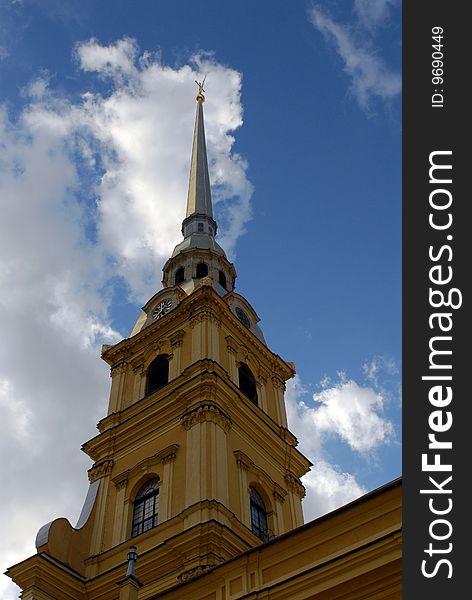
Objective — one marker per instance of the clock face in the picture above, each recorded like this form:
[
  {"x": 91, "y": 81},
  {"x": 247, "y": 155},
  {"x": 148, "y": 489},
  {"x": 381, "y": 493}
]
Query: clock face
[
  {"x": 161, "y": 309},
  {"x": 242, "y": 316}
]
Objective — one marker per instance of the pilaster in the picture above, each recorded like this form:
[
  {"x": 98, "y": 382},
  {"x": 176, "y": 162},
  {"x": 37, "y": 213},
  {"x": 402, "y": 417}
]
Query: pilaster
[
  {"x": 118, "y": 374},
  {"x": 279, "y": 525},
  {"x": 243, "y": 469},
  {"x": 279, "y": 389},
  {"x": 167, "y": 458},
  {"x": 175, "y": 366},
  {"x": 205, "y": 336},
  {"x": 139, "y": 382},
  {"x": 119, "y": 532},
  {"x": 231, "y": 347},
  {"x": 296, "y": 493},
  {"x": 207, "y": 453}
]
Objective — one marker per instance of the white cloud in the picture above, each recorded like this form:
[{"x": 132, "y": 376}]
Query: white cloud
[
  {"x": 53, "y": 387},
  {"x": 374, "y": 13},
  {"x": 344, "y": 410},
  {"x": 377, "y": 366},
  {"x": 370, "y": 77},
  {"x": 114, "y": 60},
  {"x": 328, "y": 488},
  {"x": 354, "y": 413},
  {"x": 90, "y": 190}
]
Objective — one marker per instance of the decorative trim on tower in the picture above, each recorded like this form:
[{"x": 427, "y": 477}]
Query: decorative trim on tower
[
  {"x": 206, "y": 411},
  {"x": 100, "y": 469}
]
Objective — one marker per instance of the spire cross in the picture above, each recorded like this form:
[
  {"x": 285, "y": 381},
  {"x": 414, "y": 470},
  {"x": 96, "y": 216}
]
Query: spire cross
[{"x": 200, "y": 96}]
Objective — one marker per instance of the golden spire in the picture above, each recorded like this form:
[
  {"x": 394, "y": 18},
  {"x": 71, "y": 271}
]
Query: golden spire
[{"x": 199, "y": 192}]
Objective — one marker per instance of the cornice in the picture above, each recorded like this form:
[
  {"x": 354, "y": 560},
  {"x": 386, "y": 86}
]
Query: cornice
[
  {"x": 206, "y": 301},
  {"x": 205, "y": 381},
  {"x": 163, "y": 456}
]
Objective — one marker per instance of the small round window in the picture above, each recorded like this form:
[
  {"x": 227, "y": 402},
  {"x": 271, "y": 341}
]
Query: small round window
[{"x": 242, "y": 316}]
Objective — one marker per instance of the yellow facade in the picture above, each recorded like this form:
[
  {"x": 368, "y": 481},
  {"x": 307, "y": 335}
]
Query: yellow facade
[{"x": 207, "y": 446}]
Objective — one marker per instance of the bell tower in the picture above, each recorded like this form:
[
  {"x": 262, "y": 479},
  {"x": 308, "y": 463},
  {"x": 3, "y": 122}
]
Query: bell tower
[{"x": 194, "y": 463}]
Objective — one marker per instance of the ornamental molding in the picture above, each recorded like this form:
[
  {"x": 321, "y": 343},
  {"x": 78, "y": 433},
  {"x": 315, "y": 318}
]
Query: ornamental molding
[
  {"x": 160, "y": 346},
  {"x": 204, "y": 315},
  {"x": 278, "y": 383},
  {"x": 128, "y": 347},
  {"x": 278, "y": 497},
  {"x": 191, "y": 573},
  {"x": 122, "y": 483},
  {"x": 116, "y": 354},
  {"x": 295, "y": 485},
  {"x": 244, "y": 462},
  {"x": 100, "y": 469},
  {"x": 176, "y": 339},
  {"x": 206, "y": 412},
  {"x": 288, "y": 436},
  {"x": 263, "y": 375},
  {"x": 147, "y": 465},
  {"x": 138, "y": 369},
  {"x": 168, "y": 454},
  {"x": 119, "y": 369},
  {"x": 244, "y": 355},
  {"x": 231, "y": 344}
]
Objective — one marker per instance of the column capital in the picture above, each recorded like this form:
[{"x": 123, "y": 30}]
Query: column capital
[
  {"x": 168, "y": 454},
  {"x": 100, "y": 469},
  {"x": 176, "y": 339},
  {"x": 243, "y": 461},
  {"x": 295, "y": 485},
  {"x": 206, "y": 411}
]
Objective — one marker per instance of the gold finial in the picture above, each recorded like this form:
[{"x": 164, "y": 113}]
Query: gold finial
[{"x": 200, "y": 97}]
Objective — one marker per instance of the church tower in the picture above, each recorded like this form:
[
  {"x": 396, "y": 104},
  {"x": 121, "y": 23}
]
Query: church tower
[{"x": 193, "y": 463}]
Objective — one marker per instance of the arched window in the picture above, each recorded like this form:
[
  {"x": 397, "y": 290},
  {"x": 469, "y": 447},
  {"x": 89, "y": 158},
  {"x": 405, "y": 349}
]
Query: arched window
[
  {"x": 247, "y": 383},
  {"x": 158, "y": 373},
  {"x": 202, "y": 270},
  {"x": 146, "y": 507},
  {"x": 222, "y": 279},
  {"x": 200, "y": 228},
  {"x": 258, "y": 516},
  {"x": 179, "y": 275}
]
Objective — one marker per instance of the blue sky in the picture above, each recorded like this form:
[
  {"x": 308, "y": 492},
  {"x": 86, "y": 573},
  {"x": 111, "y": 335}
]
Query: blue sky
[{"x": 304, "y": 126}]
